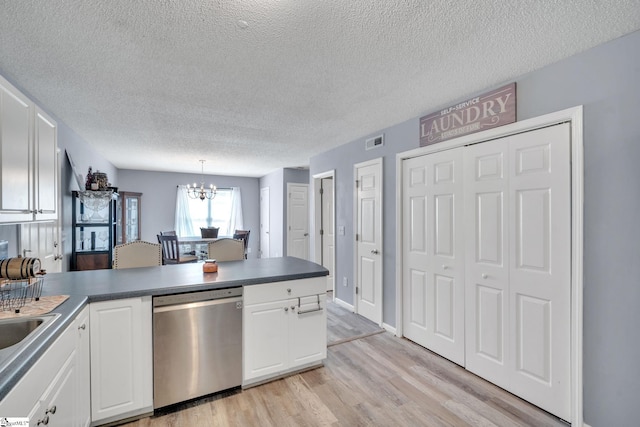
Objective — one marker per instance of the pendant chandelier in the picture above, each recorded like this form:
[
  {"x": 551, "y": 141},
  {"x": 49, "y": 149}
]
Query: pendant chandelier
[{"x": 201, "y": 192}]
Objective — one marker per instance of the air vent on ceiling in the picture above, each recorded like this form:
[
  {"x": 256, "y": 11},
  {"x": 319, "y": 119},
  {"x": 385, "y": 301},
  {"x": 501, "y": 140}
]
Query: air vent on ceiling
[{"x": 375, "y": 142}]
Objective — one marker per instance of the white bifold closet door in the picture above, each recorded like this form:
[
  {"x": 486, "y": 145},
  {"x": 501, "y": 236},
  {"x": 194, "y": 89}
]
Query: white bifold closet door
[
  {"x": 486, "y": 261},
  {"x": 434, "y": 253},
  {"x": 518, "y": 265}
]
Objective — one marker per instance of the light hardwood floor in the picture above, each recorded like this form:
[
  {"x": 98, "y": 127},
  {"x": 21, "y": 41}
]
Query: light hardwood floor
[{"x": 375, "y": 380}]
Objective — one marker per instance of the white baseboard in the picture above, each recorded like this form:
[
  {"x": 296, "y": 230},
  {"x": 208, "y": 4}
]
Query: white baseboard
[
  {"x": 343, "y": 304},
  {"x": 389, "y": 328}
]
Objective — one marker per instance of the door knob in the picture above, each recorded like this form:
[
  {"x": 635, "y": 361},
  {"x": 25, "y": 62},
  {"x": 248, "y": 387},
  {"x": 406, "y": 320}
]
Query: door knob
[
  {"x": 485, "y": 275},
  {"x": 375, "y": 252},
  {"x": 306, "y": 234},
  {"x": 445, "y": 267}
]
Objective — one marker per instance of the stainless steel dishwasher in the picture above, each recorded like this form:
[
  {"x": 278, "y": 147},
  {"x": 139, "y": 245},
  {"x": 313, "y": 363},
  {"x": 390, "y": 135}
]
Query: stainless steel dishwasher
[{"x": 197, "y": 344}]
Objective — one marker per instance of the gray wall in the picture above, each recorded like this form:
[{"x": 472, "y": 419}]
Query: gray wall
[
  {"x": 159, "y": 200},
  {"x": 606, "y": 80}
]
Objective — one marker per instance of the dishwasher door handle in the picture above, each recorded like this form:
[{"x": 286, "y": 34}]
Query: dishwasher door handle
[{"x": 199, "y": 304}]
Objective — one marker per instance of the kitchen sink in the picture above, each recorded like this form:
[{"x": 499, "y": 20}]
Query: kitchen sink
[{"x": 17, "y": 333}]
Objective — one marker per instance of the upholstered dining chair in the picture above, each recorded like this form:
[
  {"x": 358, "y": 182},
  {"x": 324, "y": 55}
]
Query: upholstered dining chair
[
  {"x": 171, "y": 251},
  {"x": 137, "y": 254},
  {"x": 226, "y": 250},
  {"x": 244, "y": 236}
]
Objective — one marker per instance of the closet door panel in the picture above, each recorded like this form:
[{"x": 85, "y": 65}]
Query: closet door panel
[
  {"x": 433, "y": 253},
  {"x": 414, "y": 250},
  {"x": 487, "y": 274},
  {"x": 540, "y": 267}
]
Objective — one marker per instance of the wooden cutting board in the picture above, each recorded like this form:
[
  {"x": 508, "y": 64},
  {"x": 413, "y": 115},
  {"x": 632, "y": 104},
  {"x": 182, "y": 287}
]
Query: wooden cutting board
[{"x": 35, "y": 308}]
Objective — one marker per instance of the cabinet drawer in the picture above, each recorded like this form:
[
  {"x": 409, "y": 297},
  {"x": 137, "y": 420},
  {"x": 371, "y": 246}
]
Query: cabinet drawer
[{"x": 275, "y": 291}]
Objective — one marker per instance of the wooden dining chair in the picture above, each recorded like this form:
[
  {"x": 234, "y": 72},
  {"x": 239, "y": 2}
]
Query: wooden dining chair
[
  {"x": 171, "y": 251},
  {"x": 209, "y": 232},
  {"x": 226, "y": 250},
  {"x": 244, "y": 236},
  {"x": 137, "y": 254}
]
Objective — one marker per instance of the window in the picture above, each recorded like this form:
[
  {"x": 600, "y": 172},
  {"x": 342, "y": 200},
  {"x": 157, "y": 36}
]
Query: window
[{"x": 223, "y": 211}]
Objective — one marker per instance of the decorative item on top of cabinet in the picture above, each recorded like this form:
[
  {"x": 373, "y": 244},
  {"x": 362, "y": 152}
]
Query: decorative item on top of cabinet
[
  {"x": 129, "y": 227},
  {"x": 93, "y": 229}
]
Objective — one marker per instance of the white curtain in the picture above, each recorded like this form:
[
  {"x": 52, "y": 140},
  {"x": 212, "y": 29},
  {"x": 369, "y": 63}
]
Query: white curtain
[
  {"x": 235, "y": 219},
  {"x": 183, "y": 225}
]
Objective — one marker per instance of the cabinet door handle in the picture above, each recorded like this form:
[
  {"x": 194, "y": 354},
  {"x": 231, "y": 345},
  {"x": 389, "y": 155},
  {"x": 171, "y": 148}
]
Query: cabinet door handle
[
  {"x": 375, "y": 252},
  {"x": 51, "y": 410},
  {"x": 44, "y": 421},
  {"x": 83, "y": 327},
  {"x": 289, "y": 290},
  {"x": 286, "y": 309}
]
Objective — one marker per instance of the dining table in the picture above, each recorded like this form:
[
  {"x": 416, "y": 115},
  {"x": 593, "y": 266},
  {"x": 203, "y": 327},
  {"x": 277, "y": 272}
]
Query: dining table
[{"x": 197, "y": 243}]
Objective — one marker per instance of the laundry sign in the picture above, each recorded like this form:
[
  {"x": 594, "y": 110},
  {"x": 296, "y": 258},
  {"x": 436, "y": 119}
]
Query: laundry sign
[{"x": 492, "y": 109}]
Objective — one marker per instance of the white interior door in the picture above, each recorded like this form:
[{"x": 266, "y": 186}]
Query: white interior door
[
  {"x": 298, "y": 220},
  {"x": 518, "y": 207},
  {"x": 433, "y": 263},
  {"x": 40, "y": 240},
  {"x": 369, "y": 240},
  {"x": 327, "y": 230},
  {"x": 264, "y": 223}
]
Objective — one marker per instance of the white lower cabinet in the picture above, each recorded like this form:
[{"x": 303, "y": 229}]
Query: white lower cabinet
[
  {"x": 53, "y": 391},
  {"x": 284, "y": 327},
  {"x": 121, "y": 359}
]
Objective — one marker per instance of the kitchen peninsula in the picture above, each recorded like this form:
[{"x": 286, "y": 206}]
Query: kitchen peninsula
[{"x": 113, "y": 309}]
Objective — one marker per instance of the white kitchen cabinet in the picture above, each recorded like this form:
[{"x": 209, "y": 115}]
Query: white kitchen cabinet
[
  {"x": 52, "y": 391},
  {"x": 309, "y": 323},
  {"x": 121, "y": 359},
  {"x": 28, "y": 159},
  {"x": 265, "y": 338},
  {"x": 83, "y": 378},
  {"x": 16, "y": 168},
  {"x": 45, "y": 144},
  {"x": 284, "y": 328}
]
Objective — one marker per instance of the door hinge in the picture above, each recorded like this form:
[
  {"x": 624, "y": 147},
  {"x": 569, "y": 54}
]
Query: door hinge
[
  {"x": 356, "y": 290},
  {"x": 321, "y": 232},
  {"x": 321, "y": 191},
  {"x": 357, "y": 237},
  {"x": 357, "y": 183}
]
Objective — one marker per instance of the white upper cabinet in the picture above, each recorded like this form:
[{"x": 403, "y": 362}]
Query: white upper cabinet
[
  {"x": 28, "y": 159},
  {"x": 15, "y": 140},
  {"x": 46, "y": 166}
]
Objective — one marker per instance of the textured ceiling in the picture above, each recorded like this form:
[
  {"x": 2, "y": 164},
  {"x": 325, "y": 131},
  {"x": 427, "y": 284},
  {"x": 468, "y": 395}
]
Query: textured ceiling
[{"x": 256, "y": 85}]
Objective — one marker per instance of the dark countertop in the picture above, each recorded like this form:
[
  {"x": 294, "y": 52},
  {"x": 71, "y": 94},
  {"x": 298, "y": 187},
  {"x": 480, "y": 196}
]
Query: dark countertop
[{"x": 101, "y": 285}]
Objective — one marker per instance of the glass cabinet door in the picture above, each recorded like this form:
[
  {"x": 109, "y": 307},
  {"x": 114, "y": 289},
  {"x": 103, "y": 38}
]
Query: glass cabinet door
[{"x": 130, "y": 216}]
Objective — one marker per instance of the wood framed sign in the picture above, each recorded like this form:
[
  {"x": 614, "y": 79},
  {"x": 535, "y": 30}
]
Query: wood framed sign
[{"x": 492, "y": 109}]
